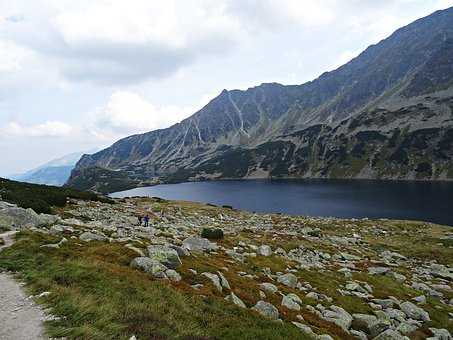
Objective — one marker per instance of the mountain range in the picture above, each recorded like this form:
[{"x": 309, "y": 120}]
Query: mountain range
[
  {"x": 55, "y": 172},
  {"x": 386, "y": 114}
]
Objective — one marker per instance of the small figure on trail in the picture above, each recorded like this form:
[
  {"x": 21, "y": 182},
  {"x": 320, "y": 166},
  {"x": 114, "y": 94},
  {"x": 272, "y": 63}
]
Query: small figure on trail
[
  {"x": 146, "y": 219},
  {"x": 140, "y": 217}
]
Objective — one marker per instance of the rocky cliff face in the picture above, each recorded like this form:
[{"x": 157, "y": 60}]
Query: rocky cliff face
[{"x": 385, "y": 114}]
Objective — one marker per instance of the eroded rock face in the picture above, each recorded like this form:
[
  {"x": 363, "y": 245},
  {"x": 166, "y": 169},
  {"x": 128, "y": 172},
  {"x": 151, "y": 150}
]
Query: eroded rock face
[
  {"x": 266, "y": 309},
  {"x": 198, "y": 244},
  {"x": 165, "y": 255}
]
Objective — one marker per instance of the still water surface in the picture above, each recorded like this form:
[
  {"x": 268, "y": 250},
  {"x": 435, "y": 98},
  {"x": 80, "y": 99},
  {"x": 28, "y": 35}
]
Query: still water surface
[{"x": 426, "y": 201}]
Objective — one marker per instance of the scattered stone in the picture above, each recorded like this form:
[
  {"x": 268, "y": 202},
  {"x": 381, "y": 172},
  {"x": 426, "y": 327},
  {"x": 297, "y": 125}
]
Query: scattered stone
[
  {"x": 165, "y": 255},
  {"x": 214, "y": 279},
  {"x": 269, "y": 287},
  {"x": 390, "y": 334},
  {"x": 378, "y": 270},
  {"x": 223, "y": 281},
  {"x": 150, "y": 266},
  {"x": 266, "y": 309},
  {"x": 173, "y": 275},
  {"x": 289, "y": 280},
  {"x": 236, "y": 300},
  {"x": 88, "y": 236},
  {"x": 198, "y": 244},
  {"x": 291, "y": 301},
  {"x": 414, "y": 312},
  {"x": 264, "y": 250}
]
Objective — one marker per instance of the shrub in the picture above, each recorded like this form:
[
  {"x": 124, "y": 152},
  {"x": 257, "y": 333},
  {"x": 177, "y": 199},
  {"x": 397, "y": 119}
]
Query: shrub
[{"x": 212, "y": 234}]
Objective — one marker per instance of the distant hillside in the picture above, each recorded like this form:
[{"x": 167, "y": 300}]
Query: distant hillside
[
  {"x": 386, "y": 114},
  {"x": 56, "y": 172}
]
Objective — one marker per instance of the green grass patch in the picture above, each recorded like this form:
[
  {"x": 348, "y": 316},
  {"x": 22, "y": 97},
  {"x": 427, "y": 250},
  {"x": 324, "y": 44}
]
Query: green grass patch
[{"x": 101, "y": 297}]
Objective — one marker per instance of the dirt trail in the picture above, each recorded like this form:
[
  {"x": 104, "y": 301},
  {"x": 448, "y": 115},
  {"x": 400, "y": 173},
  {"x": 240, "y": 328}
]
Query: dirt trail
[{"x": 20, "y": 317}]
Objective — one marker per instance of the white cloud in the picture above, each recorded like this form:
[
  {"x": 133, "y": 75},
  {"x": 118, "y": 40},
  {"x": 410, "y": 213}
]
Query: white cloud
[
  {"x": 46, "y": 129},
  {"x": 128, "y": 113}
]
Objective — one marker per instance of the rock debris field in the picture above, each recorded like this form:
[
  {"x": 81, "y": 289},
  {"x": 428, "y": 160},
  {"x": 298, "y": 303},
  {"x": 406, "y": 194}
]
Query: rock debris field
[{"x": 330, "y": 278}]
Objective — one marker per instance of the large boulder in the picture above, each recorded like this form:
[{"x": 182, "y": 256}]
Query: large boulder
[
  {"x": 289, "y": 280},
  {"x": 88, "y": 236},
  {"x": 268, "y": 287},
  {"x": 338, "y": 316},
  {"x": 15, "y": 218},
  {"x": 198, "y": 244},
  {"x": 214, "y": 279},
  {"x": 363, "y": 322},
  {"x": 150, "y": 266},
  {"x": 291, "y": 301},
  {"x": 165, "y": 255},
  {"x": 414, "y": 312},
  {"x": 266, "y": 309}
]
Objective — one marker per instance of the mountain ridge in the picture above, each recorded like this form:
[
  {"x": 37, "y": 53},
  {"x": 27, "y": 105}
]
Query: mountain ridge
[{"x": 401, "y": 70}]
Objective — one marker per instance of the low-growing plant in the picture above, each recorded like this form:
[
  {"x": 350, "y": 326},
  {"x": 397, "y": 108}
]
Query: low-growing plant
[{"x": 212, "y": 234}]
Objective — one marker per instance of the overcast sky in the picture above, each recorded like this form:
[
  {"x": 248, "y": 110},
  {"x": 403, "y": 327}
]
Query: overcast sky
[{"x": 80, "y": 74}]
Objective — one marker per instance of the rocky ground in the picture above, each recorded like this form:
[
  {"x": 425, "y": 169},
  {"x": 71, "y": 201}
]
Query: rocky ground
[{"x": 329, "y": 278}]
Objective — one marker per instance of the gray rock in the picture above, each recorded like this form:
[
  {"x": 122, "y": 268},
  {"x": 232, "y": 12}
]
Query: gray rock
[
  {"x": 378, "y": 270},
  {"x": 414, "y": 312},
  {"x": 266, "y": 309},
  {"x": 385, "y": 303},
  {"x": 291, "y": 301},
  {"x": 236, "y": 300},
  {"x": 173, "y": 275},
  {"x": 289, "y": 280},
  {"x": 338, "y": 316},
  {"x": 363, "y": 322},
  {"x": 165, "y": 255},
  {"x": 223, "y": 281},
  {"x": 390, "y": 334},
  {"x": 441, "y": 333},
  {"x": 304, "y": 328},
  {"x": 214, "y": 279},
  {"x": 269, "y": 287},
  {"x": 150, "y": 266},
  {"x": 180, "y": 250},
  {"x": 406, "y": 328},
  {"x": 358, "y": 334},
  {"x": 398, "y": 277},
  {"x": 264, "y": 250},
  {"x": 15, "y": 218},
  {"x": 198, "y": 244},
  {"x": 88, "y": 236}
]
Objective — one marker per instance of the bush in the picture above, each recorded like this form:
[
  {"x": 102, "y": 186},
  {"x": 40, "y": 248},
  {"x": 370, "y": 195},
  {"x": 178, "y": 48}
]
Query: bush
[{"x": 212, "y": 234}]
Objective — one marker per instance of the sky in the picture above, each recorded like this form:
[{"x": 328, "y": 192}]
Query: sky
[{"x": 78, "y": 75}]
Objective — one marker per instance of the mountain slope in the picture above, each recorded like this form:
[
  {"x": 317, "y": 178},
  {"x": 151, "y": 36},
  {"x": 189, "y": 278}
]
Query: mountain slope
[
  {"x": 403, "y": 76},
  {"x": 55, "y": 172}
]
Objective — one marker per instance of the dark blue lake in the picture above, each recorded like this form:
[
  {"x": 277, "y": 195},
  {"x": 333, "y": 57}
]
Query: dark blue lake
[{"x": 425, "y": 201}]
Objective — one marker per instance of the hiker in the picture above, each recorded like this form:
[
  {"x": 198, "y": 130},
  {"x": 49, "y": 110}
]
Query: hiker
[
  {"x": 146, "y": 219},
  {"x": 140, "y": 217}
]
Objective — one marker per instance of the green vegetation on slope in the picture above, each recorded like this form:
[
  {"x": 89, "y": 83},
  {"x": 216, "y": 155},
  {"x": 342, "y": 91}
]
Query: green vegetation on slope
[{"x": 41, "y": 198}]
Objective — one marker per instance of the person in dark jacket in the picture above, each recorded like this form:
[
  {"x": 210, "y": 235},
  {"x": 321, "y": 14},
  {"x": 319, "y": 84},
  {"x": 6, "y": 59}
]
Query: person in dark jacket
[
  {"x": 140, "y": 218},
  {"x": 146, "y": 219}
]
